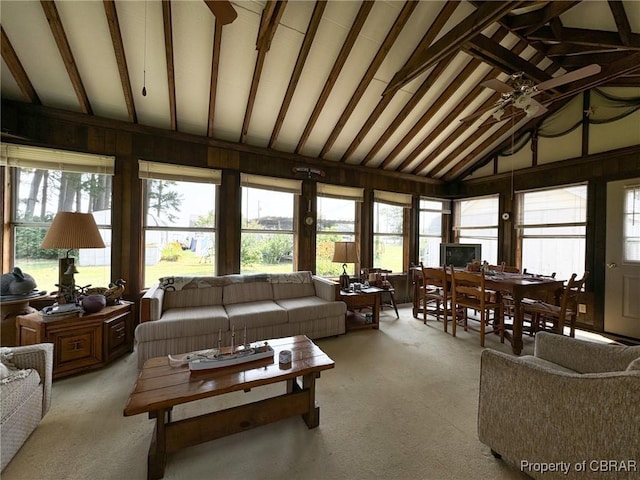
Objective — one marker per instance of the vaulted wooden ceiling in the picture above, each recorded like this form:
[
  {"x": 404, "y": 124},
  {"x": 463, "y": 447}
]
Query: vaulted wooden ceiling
[{"x": 381, "y": 84}]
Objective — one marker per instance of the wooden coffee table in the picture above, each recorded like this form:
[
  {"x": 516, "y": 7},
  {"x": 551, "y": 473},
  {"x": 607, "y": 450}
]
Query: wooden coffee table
[{"x": 160, "y": 387}]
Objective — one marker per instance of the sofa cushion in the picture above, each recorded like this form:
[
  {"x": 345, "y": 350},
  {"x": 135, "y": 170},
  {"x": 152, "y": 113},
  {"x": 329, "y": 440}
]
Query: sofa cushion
[
  {"x": 255, "y": 314},
  {"x": 292, "y": 285},
  {"x": 530, "y": 359},
  {"x": 246, "y": 288},
  {"x": 192, "y": 297},
  {"x": 14, "y": 393},
  {"x": 184, "y": 322},
  {"x": 303, "y": 309}
]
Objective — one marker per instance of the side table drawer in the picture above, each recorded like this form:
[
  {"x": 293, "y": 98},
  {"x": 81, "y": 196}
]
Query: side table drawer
[
  {"x": 77, "y": 349},
  {"x": 117, "y": 336}
]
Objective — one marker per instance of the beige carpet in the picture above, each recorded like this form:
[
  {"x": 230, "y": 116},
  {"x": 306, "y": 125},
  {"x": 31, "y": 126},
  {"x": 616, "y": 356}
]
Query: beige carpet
[{"x": 400, "y": 404}]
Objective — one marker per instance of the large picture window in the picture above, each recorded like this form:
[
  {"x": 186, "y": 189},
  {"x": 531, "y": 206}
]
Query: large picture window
[
  {"x": 552, "y": 230},
  {"x": 268, "y": 206},
  {"x": 337, "y": 209},
  {"x": 388, "y": 230},
  {"x": 430, "y": 231},
  {"x": 179, "y": 221},
  {"x": 44, "y": 182},
  {"x": 476, "y": 221}
]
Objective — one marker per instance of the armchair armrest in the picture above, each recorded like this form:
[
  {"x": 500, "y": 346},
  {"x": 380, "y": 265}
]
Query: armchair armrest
[
  {"x": 530, "y": 412},
  {"x": 584, "y": 356},
  {"x": 151, "y": 304},
  {"x": 40, "y": 358},
  {"x": 326, "y": 289}
]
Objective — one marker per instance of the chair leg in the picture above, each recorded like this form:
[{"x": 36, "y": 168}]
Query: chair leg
[{"x": 482, "y": 327}]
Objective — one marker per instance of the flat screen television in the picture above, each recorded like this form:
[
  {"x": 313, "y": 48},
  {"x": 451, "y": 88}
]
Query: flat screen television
[{"x": 459, "y": 254}]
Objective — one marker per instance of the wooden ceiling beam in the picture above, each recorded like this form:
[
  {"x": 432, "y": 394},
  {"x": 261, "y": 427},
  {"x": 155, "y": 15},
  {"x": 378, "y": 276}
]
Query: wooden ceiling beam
[
  {"x": 356, "y": 27},
  {"x": 385, "y": 47},
  {"x": 168, "y": 51},
  {"x": 55, "y": 24},
  {"x": 531, "y": 21},
  {"x": 121, "y": 59},
  {"x": 432, "y": 32},
  {"x": 270, "y": 20},
  {"x": 17, "y": 70},
  {"x": 312, "y": 29},
  {"x": 595, "y": 38},
  {"x": 215, "y": 69},
  {"x": 622, "y": 21},
  {"x": 497, "y": 56},
  {"x": 472, "y": 25}
]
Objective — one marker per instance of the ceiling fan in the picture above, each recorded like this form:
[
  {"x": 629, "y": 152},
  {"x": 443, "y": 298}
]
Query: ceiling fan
[{"x": 519, "y": 91}]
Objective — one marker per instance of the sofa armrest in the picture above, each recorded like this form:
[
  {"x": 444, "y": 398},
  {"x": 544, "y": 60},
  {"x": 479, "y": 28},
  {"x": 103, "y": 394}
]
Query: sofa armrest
[
  {"x": 151, "y": 304},
  {"x": 40, "y": 358},
  {"x": 529, "y": 412},
  {"x": 326, "y": 289},
  {"x": 584, "y": 356}
]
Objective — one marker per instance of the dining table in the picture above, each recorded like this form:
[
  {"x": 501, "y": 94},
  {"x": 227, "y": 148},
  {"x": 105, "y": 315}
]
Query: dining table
[{"x": 518, "y": 285}]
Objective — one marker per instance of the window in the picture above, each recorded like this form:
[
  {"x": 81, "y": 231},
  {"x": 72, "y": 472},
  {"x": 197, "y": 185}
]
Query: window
[
  {"x": 179, "y": 221},
  {"x": 267, "y": 224},
  {"x": 552, "y": 229},
  {"x": 336, "y": 222},
  {"x": 46, "y": 181},
  {"x": 430, "y": 231},
  {"x": 632, "y": 224},
  {"x": 476, "y": 221},
  {"x": 388, "y": 230}
]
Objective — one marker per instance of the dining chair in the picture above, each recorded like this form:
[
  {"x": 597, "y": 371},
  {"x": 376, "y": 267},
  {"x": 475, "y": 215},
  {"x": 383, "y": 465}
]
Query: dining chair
[
  {"x": 469, "y": 292},
  {"x": 436, "y": 292},
  {"x": 550, "y": 316}
]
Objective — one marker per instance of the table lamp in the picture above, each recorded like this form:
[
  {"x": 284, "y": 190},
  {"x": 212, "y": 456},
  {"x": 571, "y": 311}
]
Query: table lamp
[
  {"x": 345, "y": 252},
  {"x": 69, "y": 231}
]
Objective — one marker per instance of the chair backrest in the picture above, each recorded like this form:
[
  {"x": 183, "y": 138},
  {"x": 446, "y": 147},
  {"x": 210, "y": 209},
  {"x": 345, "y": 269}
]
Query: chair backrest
[
  {"x": 510, "y": 268},
  {"x": 436, "y": 277},
  {"x": 496, "y": 268},
  {"x": 524, "y": 272},
  {"x": 468, "y": 286},
  {"x": 572, "y": 291}
]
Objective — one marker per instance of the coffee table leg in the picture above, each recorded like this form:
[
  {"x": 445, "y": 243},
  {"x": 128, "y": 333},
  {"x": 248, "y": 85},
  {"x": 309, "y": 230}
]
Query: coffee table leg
[
  {"x": 157, "y": 458},
  {"x": 312, "y": 417}
]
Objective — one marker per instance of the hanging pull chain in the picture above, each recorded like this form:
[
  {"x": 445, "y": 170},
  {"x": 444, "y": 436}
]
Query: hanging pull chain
[{"x": 144, "y": 55}]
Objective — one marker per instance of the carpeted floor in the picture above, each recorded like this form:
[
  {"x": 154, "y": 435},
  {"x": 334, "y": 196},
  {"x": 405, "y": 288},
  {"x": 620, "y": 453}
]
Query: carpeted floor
[{"x": 401, "y": 403}]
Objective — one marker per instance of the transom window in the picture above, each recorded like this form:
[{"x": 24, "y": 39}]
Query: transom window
[{"x": 552, "y": 227}]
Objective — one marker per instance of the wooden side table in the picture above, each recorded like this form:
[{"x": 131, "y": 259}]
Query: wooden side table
[
  {"x": 368, "y": 298},
  {"x": 11, "y": 308},
  {"x": 81, "y": 343}
]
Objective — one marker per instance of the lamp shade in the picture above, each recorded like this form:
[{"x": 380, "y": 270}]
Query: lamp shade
[
  {"x": 345, "y": 252},
  {"x": 71, "y": 230}
]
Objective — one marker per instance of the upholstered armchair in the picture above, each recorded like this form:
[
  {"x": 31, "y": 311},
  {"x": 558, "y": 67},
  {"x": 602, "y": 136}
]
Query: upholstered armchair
[
  {"x": 26, "y": 398},
  {"x": 572, "y": 405}
]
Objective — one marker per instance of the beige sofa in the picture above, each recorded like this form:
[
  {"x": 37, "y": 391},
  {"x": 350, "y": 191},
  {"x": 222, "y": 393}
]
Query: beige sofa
[
  {"x": 25, "y": 395},
  {"x": 183, "y": 314},
  {"x": 561, "y": 412}
]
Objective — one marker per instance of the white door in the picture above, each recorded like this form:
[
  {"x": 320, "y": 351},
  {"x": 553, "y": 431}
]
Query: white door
[{"x": 622, "y": 269}]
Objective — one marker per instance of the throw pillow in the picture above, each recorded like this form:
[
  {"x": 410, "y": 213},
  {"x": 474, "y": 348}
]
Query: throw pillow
[
  {"x": 4, "y": 371},
  {"x": 8, "y": 371}
]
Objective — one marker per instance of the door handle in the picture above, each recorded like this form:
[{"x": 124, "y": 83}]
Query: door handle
[{"x": 612, "y": 265}]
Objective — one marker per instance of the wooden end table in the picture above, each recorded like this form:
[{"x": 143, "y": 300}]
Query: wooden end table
[
  {"x": 161, "y": 386},
  {"x": 81, "y": 343},
  {"x": 367, "y": 298},
  {"x": 11, "y": 307}
]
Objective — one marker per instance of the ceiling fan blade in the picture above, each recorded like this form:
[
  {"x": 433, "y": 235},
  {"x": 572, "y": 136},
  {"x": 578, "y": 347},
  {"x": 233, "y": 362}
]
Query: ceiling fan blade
[
  {"x": 569, "y": 77},
  {"x": 540, "y": 109},
  {"x": 497, "y": 85},
  {"x": 479, "y": 113},
  {"x": 222, "y": 10}
]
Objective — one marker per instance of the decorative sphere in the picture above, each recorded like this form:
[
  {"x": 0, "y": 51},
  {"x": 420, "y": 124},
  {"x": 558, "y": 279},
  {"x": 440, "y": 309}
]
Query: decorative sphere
[{"x": 93, "y": 303}]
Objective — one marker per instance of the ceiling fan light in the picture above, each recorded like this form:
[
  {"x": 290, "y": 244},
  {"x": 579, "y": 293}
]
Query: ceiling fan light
[{"x": 530, "y": 110}]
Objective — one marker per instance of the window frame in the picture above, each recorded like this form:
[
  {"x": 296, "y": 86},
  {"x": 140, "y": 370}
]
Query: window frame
[{"x": 458, "y": 228}]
